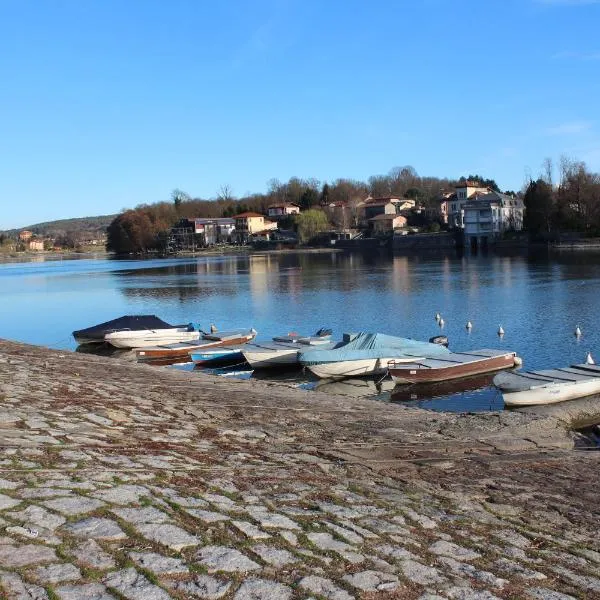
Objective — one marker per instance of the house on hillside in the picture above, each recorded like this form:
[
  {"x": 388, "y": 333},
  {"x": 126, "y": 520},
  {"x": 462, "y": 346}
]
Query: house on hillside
[
  {"x": 487, "y": 216},
  {"x": 386, "y": 223},
  {"x": 25, "y": 235},
  {"x": 344, "y": 215},
  {"x": 441, "y": 209},
  {"x": 371, "y": 207},
  {"x": 249, "y": 223},
  {"x": 282, "y": 210},
  {"x": 36, "y": 245}
]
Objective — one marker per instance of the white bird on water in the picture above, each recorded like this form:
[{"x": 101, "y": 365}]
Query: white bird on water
[
  {"x": 469, "y": 325},
  {"x": 213, "y": 329},
  {"x": 500, "y": 330},
  {"x": 589, "y": 360},
  {"x": 441, "y": 322},
  {"x": 577, "y": 331},
  {"x": 438, "y": 317}
]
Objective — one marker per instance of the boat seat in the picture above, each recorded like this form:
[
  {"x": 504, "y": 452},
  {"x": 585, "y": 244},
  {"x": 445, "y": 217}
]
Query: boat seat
[
  {"x": 468, "y": 357},
  {"x": 486, "y": 353},
  {"x": 593, "y": 370},
  {"x": 586, "y": 374},
  {"x": 564, "y": 375},
  {"x": 533, "y": 375}
]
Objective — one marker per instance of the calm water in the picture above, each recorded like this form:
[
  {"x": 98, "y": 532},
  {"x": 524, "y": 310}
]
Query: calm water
[{"x": 538, "y": 301}]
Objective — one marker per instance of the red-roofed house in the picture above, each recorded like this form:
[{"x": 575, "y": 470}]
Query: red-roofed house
[
  {"x": 250, "y": 222},
  {"x": 282, "y": 210}
]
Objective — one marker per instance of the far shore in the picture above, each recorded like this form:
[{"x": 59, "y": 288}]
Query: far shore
[{"x": 17, "y": 257}]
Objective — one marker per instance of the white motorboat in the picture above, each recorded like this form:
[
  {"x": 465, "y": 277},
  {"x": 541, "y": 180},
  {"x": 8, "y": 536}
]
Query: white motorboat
[
  {"x": 151, "y": 337},
  {"x": 283, "y": 350},
  {"x": 357, "y": 368},
  {"x": 524, "y": 388}
]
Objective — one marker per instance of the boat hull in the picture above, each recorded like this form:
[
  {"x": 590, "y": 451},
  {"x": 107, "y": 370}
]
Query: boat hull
[
  {"x": 552, "y": 394},
  {"x": 352, "y": 368},
  {"x": 269, "y": 359},
  {"x": 165, "y": 353},
  {"x": 143, "y": 339},
  {"x": 416, "y": 373},
  {"x": 222, "y": 356}
]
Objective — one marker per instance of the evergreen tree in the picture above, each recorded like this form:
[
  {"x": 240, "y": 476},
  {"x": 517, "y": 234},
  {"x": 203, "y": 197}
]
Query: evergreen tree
[{"x": 539, "y": 208}]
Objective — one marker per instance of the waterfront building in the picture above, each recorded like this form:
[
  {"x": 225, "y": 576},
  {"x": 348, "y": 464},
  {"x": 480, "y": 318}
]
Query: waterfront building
[
  {"x": 456, "y": 202},
  {"x": 488, "y": 216},
  {"x": 198, "y": 232},
  {"x": 250, "y": 222},
  {"x": 35, "y": 245}
]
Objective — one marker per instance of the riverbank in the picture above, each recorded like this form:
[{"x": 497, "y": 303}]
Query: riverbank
[{"x": 122, "y": 480}]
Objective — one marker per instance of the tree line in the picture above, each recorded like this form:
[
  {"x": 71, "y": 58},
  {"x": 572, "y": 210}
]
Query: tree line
[
  {"x": 572, "y": 204},
  {"x": 146, "y": 227}
]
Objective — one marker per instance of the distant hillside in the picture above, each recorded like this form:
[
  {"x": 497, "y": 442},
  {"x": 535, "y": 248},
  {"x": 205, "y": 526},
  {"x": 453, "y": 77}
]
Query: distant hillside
[{"x": 88, "y": 225}]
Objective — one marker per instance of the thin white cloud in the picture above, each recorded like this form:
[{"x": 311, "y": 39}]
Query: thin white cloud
[{"x": 569, "y": 128}]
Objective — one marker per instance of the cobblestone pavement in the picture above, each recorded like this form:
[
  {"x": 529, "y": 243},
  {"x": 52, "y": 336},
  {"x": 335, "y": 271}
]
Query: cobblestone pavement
[{"x": 127, "y": 481}]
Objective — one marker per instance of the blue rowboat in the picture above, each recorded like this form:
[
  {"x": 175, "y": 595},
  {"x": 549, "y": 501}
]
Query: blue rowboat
[{"x": 217, "y": 356}]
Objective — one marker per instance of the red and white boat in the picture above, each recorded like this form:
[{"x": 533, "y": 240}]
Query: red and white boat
[{"x": 454, "y": 365}]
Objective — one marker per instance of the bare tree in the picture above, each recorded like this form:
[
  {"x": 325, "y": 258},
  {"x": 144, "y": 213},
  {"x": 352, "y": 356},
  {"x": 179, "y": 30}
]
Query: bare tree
[
  {"x": 548, "y": 170},
  {"x": 225, "y": 193}
]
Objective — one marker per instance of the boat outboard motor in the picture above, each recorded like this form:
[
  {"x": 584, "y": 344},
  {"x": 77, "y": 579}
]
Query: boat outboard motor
[
  {"x": 323, "y": 332},
  {"x": 439, "y": 339}
]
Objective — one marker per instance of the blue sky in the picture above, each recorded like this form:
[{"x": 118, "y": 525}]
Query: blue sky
[{"x": 106, "y": 104}]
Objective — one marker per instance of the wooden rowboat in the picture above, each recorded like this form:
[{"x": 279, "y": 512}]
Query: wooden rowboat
[
  {"x": 454, "y": 365},
  {"x": 548, "y": 386},
  {"x": 173, "y": 352}
]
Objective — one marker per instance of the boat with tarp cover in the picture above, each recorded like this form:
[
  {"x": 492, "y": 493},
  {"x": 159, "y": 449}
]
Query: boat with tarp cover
[
  {"x": 95, "y": 334},
  {"x": 364, "y": 354}
]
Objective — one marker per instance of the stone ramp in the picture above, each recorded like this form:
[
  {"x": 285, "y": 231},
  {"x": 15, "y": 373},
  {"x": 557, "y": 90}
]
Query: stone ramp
[{"x": 127, "y": 481}]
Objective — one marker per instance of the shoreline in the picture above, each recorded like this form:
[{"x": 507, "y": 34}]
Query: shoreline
[{"x": 515, "y": 425}]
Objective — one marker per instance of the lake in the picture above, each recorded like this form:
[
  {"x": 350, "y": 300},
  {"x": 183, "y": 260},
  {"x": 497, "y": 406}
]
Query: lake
[{"x": 538, "y": 301}]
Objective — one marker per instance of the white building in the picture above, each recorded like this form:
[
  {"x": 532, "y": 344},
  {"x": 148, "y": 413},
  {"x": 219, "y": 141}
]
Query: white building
[
  {"x": 488, "y": 216},
  {"x": 456, "y": 202}
]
